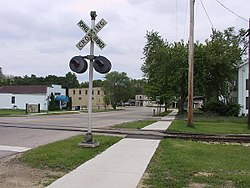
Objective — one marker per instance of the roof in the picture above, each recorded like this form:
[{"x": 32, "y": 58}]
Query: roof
[
  {"x": 24, "y": 89},
  {"x": 243, "y": 64}
]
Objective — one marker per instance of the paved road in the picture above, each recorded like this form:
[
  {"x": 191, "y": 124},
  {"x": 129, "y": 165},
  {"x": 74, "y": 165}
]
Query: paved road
[{"x": 22, "y": 132}]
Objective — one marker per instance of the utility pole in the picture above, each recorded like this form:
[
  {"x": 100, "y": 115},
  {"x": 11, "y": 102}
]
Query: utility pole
[
  {"x": 191, "y": 66},
  {"x": 249, "y": 74}
]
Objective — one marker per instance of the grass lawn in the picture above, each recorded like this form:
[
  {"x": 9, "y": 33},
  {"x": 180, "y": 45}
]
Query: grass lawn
[
  {"x": 134, "y": 124},
  {"x": 65, "y": 155},
  {"x": 208, "y": 117},
  {"x": 179, "y": 163},
  {"x": 10, "y": 112},
  {"x": 209, "y": 127},
  {"x": 166, "y": 113}
]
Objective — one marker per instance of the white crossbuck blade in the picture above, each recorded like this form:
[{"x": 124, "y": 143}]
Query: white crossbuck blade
[{"x": 91, "y": 34}]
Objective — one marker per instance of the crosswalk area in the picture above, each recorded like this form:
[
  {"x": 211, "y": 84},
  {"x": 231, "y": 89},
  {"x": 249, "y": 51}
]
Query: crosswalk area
[{"x": 10, "y": 150}]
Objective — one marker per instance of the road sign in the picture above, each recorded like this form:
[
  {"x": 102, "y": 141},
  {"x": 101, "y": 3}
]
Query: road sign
[{"x": 91, "y": 34}]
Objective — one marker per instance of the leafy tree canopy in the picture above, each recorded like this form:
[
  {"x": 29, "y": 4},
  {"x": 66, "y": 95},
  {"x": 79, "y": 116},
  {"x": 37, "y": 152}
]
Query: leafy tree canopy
[{"x": 166, "y": 65}]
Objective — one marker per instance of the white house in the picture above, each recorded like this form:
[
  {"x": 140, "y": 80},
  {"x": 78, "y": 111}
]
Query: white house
[
  {"x": 142, "y": 100},
  {"x": 243, "y": 88},
  {"x": 20, "y": 95}
]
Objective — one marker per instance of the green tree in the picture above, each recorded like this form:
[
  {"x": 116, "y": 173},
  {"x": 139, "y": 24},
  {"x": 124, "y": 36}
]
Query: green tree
[
  {"x": 71, "y": 81},
  {"x": 137, "y": 86},
  {"x": 52, "y": 104},
  {"x": 216, "y": 63},
  {"x": 106, "y": 101},
  {"x": 117, "y": 87},
  {"x": 165, "y": 67},
  {"x": 2, "y": 77}
]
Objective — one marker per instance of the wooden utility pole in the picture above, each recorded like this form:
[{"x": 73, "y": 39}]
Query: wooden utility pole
[
  {"x": 191, "y": 65},
  {"x": 249, "y": 74}
]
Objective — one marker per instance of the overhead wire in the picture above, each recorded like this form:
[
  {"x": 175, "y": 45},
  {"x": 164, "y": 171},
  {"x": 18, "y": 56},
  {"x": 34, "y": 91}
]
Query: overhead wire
[
  {"x": 231, "y": 11},
  {"x": 203, "y": 6},
  {"x": 176, "y": 20},
  {"x": 185, "y": 25}
]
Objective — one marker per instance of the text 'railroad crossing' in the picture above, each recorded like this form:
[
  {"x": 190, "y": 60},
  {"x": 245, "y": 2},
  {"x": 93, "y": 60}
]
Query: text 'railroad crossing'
[{"x": 91, "y": 34}]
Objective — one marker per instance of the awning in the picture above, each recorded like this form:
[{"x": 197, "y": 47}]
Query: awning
[{"x": 62, "y": 98}]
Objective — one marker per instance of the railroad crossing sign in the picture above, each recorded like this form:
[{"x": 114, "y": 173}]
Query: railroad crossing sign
[{"x": 91, "y": 34}]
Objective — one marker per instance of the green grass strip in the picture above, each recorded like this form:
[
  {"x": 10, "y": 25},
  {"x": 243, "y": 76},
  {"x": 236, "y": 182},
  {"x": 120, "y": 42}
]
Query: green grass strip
[
  {"x": 10, "y": 112},
  {"x": 209, "y": 127},
  {"x": 66, "y": 155},
  {"x": 179, "y": 163},
  {"x": 134, "y": 124}
]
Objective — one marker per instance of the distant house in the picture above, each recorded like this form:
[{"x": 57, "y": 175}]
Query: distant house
[
  {"x": 142, "y": 100},
  {"x": 79, "y": 97},
  {"x": 243, "y": 88},
  {"x": 20, "y": 95}
]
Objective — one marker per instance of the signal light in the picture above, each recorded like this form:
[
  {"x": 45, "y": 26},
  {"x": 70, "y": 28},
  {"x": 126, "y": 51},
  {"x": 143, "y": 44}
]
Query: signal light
[
  {"x": 101, "y": 64},
  {"x": 78, "y": 64}
]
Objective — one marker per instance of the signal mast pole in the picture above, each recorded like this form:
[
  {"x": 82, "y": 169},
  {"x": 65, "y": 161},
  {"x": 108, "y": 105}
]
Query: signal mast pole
[{"x": 249, "y": 75}]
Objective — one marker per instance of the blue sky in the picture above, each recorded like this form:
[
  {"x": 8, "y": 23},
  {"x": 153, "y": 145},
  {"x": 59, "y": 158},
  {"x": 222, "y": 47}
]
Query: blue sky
[{"x": 39, "y": 37}]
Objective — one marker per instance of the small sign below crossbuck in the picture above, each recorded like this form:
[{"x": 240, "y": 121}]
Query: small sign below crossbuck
[{"x": 91, "y": 34}]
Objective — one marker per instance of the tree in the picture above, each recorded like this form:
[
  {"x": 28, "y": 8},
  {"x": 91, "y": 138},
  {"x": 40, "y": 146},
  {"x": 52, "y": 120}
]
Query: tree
[
  {"x": 117, "y": 87},
  {"x": 69, "y": 104},
  {"x": 106, "y": 101},
  {"x": 52, "y": 105},
  {"x": 137, "y": 86},
  {"x": 2, "y": 77},
  {"x": 1, "y": 73},
  {"x": 216, "y": 63},
  {"x": 70, "y": 81},
  {"x": 165, "y": 67}
]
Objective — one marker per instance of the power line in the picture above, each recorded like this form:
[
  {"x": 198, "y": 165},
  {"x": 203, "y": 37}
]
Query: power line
[
  {"x": 231, "y": 11},
  {"x": 186, "y": 17},
  {"x": 203, "y": 6}
]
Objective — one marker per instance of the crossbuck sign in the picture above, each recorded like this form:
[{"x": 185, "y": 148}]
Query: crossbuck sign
[{"x": 91, "y": 34}]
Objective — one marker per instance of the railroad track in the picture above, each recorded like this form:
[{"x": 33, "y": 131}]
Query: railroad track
[{"x": 232, "y": 138}]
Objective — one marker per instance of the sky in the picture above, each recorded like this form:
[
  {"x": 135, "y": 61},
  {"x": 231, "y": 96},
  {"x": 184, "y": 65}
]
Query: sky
[{"x": 40, "y": 36}]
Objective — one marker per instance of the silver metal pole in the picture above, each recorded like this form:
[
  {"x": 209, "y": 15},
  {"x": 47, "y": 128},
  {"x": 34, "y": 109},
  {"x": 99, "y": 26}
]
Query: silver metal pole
[
  {"x": 249, "y": 75},
  {"x": 93, "y": 16}
]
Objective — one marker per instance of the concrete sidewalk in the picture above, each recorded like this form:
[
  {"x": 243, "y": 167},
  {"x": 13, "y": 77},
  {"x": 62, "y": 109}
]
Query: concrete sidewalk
[
  {"x": 163, "y": 124},
  {"x": 122, "y": 165}
]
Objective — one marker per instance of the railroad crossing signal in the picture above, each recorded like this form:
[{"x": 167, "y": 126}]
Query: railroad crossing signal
[
  {"x": 101, "y": 64},
  {"x": 91, "y": 34}
]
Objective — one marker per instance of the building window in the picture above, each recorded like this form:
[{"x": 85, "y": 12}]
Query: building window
[
  {"x": 98, "y": 92},
  {"x": 93, "y": 92},
  {"x": 74, "y": 92},
  {"x": 80, "y": 98},
  {"x": 57, "y": 93},
  {"x": 86, "y": 92},
  {"x": 246, "y": 84},
  {"x": 246, "y": 102},
  {"x": 13, "y": 100},
  {"x": 80, "y": 92}
]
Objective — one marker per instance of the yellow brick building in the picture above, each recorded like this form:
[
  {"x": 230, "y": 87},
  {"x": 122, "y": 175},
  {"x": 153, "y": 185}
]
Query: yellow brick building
[{"x": 79, "y": 98}]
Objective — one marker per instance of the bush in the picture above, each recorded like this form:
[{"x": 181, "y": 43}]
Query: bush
[{"x": 222, "y": 109}]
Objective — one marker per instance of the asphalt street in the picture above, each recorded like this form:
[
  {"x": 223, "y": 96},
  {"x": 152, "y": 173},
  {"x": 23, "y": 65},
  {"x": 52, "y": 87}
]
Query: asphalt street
[{"x": 32, "y": 131}]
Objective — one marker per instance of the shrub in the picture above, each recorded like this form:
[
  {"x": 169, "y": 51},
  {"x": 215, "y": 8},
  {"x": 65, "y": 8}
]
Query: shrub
[{"x": 222, "y": 109}]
